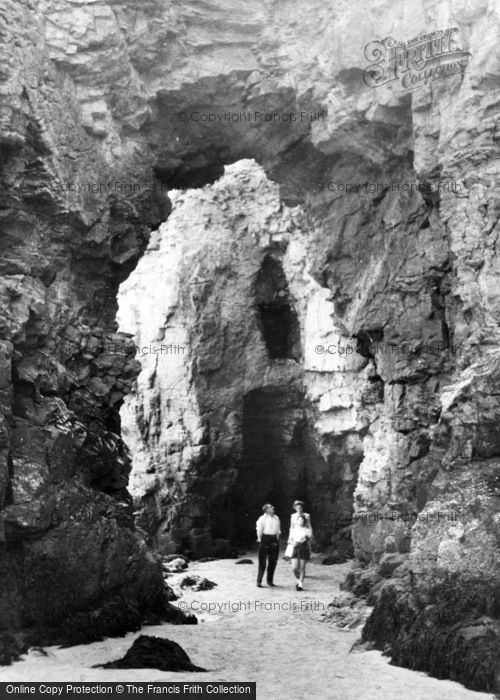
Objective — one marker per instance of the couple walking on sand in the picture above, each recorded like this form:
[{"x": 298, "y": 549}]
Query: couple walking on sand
[{"x": 299, "y": 543}]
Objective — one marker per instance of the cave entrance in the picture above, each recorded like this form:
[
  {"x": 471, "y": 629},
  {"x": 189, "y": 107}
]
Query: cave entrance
[
  {"x": 274, "y": 462},
  {"x": 277, "y": 320}
]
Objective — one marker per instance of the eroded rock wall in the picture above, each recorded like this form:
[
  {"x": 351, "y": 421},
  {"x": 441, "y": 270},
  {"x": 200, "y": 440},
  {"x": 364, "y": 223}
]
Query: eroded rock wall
[
  {"x": 222, "y": 420},
  {"x": 73, "y": 565}
]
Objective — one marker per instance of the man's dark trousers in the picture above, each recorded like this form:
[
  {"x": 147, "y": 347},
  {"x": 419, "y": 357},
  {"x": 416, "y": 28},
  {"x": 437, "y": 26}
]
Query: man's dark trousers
[{"x": 268, "y": 554}]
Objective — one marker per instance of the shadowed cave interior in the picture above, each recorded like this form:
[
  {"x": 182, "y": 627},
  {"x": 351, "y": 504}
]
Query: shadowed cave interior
[
  {"x": 277, "y": 320},
  {"x": 274, "y": 464},
  {"x": 274, "y": 467}
]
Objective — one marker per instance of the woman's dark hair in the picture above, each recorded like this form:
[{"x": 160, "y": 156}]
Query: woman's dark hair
[{"x": 299, "y": 503}]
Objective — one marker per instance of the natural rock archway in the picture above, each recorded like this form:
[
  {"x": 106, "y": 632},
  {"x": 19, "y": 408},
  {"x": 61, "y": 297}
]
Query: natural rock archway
[{"x": 233, "y": 424}]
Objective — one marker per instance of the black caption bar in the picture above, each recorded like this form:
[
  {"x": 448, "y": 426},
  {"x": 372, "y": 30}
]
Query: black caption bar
[{"x": 70, "y": 691}]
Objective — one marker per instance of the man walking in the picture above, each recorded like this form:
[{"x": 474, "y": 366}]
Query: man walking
[{"x": 268, "y": 532}]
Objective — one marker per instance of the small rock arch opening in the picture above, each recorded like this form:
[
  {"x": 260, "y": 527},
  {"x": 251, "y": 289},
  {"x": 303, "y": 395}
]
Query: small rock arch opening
[
  {"x": 274, "y": 464},
  {"x": 277, "y": 319}
]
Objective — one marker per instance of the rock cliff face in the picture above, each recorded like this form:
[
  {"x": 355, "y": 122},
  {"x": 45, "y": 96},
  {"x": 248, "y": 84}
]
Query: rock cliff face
[
  {"x": 259, "y": 277},
  {"x": 233, "y": 407}
]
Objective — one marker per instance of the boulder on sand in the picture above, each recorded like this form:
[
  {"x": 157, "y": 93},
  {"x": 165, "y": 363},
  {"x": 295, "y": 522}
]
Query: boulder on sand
[
  {"x": 197, "y": 583},
  {"x": 175, "y": 565},
  {"x": 154, "y": 652},
  {"x": 168, "y": 558}
]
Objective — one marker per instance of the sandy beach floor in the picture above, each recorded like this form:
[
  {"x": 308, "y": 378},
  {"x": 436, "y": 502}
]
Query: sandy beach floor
[{"x": 274, "y": 636}]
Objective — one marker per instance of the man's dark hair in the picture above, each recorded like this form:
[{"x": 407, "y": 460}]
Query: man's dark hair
[{"x": 266, "y": 506}]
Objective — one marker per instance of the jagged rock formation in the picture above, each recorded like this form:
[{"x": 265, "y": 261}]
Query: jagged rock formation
[
  {"x": 224, "y": 416},
  {"x": 100, "y": 115}
]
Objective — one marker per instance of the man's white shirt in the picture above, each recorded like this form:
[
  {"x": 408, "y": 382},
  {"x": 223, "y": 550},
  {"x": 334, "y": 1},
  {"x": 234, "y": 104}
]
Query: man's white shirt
[{"x": 268, "y": 525}]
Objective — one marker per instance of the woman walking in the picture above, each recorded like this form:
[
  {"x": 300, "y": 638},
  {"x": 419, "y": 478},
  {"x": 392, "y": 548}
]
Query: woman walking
[
  {"x": 299, "y": 507},
  {"x": 300, "y": 539}
]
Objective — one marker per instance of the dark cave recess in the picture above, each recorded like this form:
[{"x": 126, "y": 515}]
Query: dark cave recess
[
  {"x": 277, "y": 320},
  {"x": 275, "y": 465}
]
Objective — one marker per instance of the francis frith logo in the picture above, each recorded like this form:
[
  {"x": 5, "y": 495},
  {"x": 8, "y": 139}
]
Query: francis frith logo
[{"x": 412, "y": 64}]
